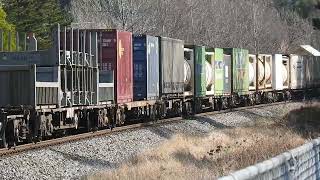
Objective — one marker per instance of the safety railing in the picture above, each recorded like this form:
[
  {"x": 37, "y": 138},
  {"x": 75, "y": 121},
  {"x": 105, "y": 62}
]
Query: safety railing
[{"x": 300, "y": 163}]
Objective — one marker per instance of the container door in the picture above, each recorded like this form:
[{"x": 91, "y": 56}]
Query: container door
[
  {"x": 152, "y": 67},
  {"x": 125, "y": 66},
  {"x": 139, "y": 68},
  {"x": 240, "y": 71},
  {"x": 107, "y": 64},
  {"x": 297, "y": 70},
  {"x": 177, "y": 66},
  {"x": 166, "y": 65},
  {"x": 218, "y": 71},
  {"x": 200, "y": 71},
  {"x": 108, "y": 51},
  {"x": 172, "y": 69}
]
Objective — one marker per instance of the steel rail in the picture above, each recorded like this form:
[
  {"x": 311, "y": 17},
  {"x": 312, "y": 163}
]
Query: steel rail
[{"x": 90, "y": 135}]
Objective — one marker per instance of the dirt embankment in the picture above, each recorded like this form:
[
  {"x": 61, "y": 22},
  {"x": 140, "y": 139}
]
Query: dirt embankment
[{"x": 223, "y": 151}]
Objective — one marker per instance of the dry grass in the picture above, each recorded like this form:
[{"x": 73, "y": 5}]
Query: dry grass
[{"x": 221, "y": 152}]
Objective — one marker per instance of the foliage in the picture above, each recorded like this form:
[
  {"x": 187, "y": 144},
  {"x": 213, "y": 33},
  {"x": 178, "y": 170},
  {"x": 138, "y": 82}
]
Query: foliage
[
  {"x": 36, "y": 16},
  {"x": 7, "y": 28}
]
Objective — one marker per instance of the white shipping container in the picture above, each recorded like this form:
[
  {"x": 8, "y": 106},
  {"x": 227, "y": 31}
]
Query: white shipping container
[
  {"x": 280, "y": 72},
  {"x": 297, "y": 72}
]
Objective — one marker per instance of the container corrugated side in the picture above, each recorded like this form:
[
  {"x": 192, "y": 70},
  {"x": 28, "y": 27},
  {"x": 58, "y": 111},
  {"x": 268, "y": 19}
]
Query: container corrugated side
[
  {"x": 200, "y": 71},
  {"x": 240, "y": 70},
  {"x": 153, "y": 67},
  {"x": 219, "y": 71},
  {"x": 139, "y": 68},
  {"x": 21, "y": 87},
  {"x": 172, "y": 69},
  {"x": 17, "y": 86},
  {"x": 297, "y": 72},
  {"x": 312, "y": 71},
  {"x": 145, "y": 67},
  {"x": 116, "y": 47}
]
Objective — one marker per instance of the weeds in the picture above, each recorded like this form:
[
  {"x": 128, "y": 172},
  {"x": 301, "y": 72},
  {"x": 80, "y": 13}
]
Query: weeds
[{"x": 223, "y": 151}]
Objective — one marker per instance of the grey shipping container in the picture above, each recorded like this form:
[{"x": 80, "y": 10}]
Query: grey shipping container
[
  {"x": 145, "y": 67},
  {"x": 171, "y": 66},
  {"x": 29, "y": 85},
  {"x": 312, "y": 71}
]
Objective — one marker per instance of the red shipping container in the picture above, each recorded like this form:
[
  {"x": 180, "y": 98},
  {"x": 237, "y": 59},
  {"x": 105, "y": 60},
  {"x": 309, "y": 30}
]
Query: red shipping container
[{"x": 116, "y": 55}]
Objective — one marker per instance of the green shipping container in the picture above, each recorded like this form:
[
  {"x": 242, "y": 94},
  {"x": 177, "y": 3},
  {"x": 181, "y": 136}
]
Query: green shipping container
[
  {"x": 240, "y": 69},
  {"x": 219, "y": 72},
  {"x": 200, "y": 71}
]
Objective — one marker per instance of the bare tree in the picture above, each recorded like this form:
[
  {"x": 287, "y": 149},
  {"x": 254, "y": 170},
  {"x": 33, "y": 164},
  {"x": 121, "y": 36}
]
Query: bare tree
[{"x": 253, "y": 24}]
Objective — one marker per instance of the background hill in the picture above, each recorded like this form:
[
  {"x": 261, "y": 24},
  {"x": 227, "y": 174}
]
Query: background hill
[{"x": 262, "y": 26}]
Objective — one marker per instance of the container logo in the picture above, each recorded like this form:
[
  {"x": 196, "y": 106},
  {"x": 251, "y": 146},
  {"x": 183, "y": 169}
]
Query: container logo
[
  {"x": 219, "y": 64},
  {"x": 120, "y": 49}
]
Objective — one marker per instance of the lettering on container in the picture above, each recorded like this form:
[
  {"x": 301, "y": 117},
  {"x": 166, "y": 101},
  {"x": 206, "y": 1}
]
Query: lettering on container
[{"x": 173, "y": 86}]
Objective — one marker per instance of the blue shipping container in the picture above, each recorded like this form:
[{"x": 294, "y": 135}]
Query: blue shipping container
[{"x": 145, "y": 67}]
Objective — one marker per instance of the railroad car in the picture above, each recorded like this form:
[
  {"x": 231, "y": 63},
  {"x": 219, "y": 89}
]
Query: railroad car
[
  {"x": 46, "y": 91},
  {"x": 145, "y": 67},
  {"x": 95, "y": 78},
  {"x": 238, "y": 73},
  {"x": 171, "y": 75}
]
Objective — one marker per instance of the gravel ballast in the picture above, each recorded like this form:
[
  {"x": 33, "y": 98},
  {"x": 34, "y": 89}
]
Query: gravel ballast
[{"x": 73, "y": 160}]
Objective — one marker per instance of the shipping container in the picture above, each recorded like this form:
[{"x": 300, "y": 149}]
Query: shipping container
[
  {"x": 240, "y": 70},
  {"x": 280, "y": 72},
  {"x": 297, "y": 72},
  {"x": 145, "y": 67},
  {"x": 197, "y": 54},
  {"x": 171, "y": 66},
  {"x": 116, "y": 56},
  {"x": 312, "y": 71},
  {"x": 221, "y": 72},
  {"x": 30, "y": 86}
]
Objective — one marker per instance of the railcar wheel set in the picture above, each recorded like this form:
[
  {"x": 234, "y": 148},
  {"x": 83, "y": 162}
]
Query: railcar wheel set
[{"x": 95, "y": 78}]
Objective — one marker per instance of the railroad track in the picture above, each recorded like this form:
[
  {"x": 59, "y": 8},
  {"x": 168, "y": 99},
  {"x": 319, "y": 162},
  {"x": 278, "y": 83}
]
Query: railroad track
[{"x": 90, "y": 135}]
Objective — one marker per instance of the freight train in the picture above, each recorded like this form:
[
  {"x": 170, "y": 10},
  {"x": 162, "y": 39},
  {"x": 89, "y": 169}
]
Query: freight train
[{"x": 94, "y": 78}]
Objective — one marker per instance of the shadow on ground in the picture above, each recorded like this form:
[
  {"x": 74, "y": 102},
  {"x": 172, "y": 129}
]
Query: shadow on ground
[
  {"x": 305, "y": 121},
  {"x": 85, "y": 160},
  {"x": 212, "y": 122}
]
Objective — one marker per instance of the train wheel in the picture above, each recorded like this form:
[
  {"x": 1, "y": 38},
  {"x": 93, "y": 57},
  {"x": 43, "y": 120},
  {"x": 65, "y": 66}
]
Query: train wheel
[
  {"x": 120, "y": 117},
  {"x": 153, "y": 113},
  {"x": 88, "y": 123},
  {"x": 187, "y": 109}
]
